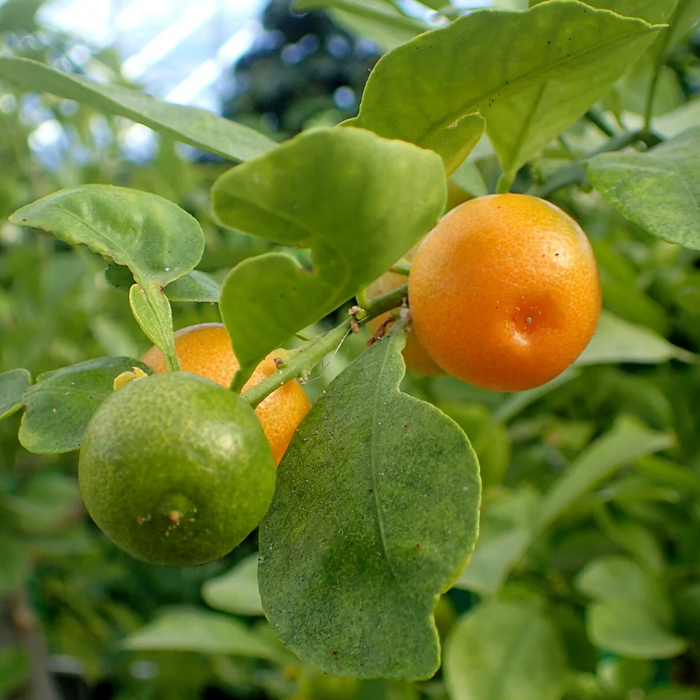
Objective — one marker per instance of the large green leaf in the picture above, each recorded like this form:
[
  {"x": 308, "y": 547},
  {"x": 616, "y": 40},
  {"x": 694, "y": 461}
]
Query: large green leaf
[
  {"x": 504, "y": 651},
  {"x": 236, "y": 591},
  {"x": 190, "y": 125},
  {"x": 545, "y": 67},
  {"x": 13, "y": 384},
  {"x": 157, "y": 240},
  {"x": 203, "y": 632},
  {"x": 617, "y": 340},
  {"x": 375, "y": 514},
  {"x": 659, "y": 189},
  {"x": 629, "y": 628},
  {"x": 61, "y": 403},
  {"x": 357, "y": 200}
]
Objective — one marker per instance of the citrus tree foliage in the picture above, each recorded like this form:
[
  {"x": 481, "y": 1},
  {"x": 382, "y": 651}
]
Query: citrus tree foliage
[{"x": 535, "y": 545}]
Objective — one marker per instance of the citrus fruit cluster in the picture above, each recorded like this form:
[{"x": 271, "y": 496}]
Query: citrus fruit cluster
[{"x": 178, "y": 470}]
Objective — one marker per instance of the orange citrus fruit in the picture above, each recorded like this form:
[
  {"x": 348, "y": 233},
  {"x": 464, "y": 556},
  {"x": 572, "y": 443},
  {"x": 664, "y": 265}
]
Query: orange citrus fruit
[
  {"x": 505, "y": 292},
  {"x": 175, "y": 469},
  {"x": 205, "y": 349}
]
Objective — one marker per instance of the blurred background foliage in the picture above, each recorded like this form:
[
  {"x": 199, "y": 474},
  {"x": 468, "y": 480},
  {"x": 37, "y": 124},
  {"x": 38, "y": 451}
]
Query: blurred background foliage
[{"x": 80, "y": 619}]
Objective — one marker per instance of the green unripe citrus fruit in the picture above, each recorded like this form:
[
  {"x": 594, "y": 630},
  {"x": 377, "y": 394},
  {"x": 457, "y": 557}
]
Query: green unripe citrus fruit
[{"x": 176, "y": 469}]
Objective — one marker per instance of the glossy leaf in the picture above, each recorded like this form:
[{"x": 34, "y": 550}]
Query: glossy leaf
[
  {"x": 13, "y": 384},
  {"x": 375, "y": 514},
  {"x": 191, "y": 125},
  {"x": 236, "y": 591},
  {"x": 504, "y": 651},
  {"x": 358, "y": 201},
  {"x": 629, "y": 628},
  {"x": 546, "y": 67},
  {"x": 203, "y": 632},
  {"x": 625, "y": 443},
  {"x": 658, "y": 189},
  {"x": 60, "y": 404},
  {"x": 157, "y": 240},
  {"x": 617, "y": 340}
]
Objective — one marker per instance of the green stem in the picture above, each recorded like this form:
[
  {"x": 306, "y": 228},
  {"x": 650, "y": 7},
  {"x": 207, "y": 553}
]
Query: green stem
[
  {"x": 401, "y": 268},
  {"x": 504, "y": 183},
  {"x": 575, "y": 173},
  {"x": 308, "y": 356},
  {"x": 600, "y": 122}
]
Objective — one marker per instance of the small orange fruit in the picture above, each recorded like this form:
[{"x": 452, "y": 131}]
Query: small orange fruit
[
  {"x": 505, "y": 292},
  {"x": 205, "y": 349}
]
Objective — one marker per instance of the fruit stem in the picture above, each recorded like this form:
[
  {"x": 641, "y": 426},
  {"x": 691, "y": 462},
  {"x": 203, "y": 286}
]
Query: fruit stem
[
  {"x": 401, "y": 268},
  {"x": 309, "y": 355},
  {"x": 504, "y": 183}
]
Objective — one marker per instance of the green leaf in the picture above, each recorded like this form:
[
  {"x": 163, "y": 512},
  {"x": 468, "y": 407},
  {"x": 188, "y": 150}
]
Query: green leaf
[
  {"x": 658, "y": 189},
  {"x": 236, "y": 591},
  {"x": 190, "y": 125},
  {"x": 545, "y": 68},
  {"x": 194, "y": 286},
  {"x": 386, "y": 35},
  {"x": 505, "y": 533},
  {"x": 652, "y": 11},
  {"x": 15, "y": 566},
  {"x": 203, "y": 632},
  {"x": 61, "y": 403},
  {"x": 379, "y": 12},
  {"x": 621, "y": 446},
  {"x": 504, "y": 651},
  {"x": 375, "y": 514},
  {"x": 47, "y": 502},
  {"x": 614, "y": 576},
  {"x": 157, "y": 240},
  {"x": 617, "y": 340},
  {"x": 628, "y": 628},
  {"x": 13, "y": 384},
  {"x": 15, "y": 665},
  {"x": 358, "y": 201}
]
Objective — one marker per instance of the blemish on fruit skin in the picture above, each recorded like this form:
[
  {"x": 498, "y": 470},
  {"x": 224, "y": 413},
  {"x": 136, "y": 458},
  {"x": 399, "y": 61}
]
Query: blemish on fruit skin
[{"x": 174, "y": 516}]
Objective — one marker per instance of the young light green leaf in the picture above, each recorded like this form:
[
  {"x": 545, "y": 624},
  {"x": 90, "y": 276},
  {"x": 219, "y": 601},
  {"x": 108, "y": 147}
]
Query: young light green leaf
[
  {"x": 659, "y": 189},
  {"x": 203, "y": 632},
  {"x": 236, "y": 591},
  {"x": 61, "y": 403},
  {"x": 357, "y": 200},
  {"x": 546, "y": 67},
  {"x": 626, "y": 442},
  {"x": 13, "y": 384},
  {"x": 375, "y": 514},
  {"x": 157, "y": 240},
  {"x": 628, "y": 627},
  {"x": 190, "y": 125},
  {"x": 616, "y": 340},
  {"x": 614, "y": 576},
  {"x": 504, "y": 650},
  {"x": 194, "y": 286}
]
